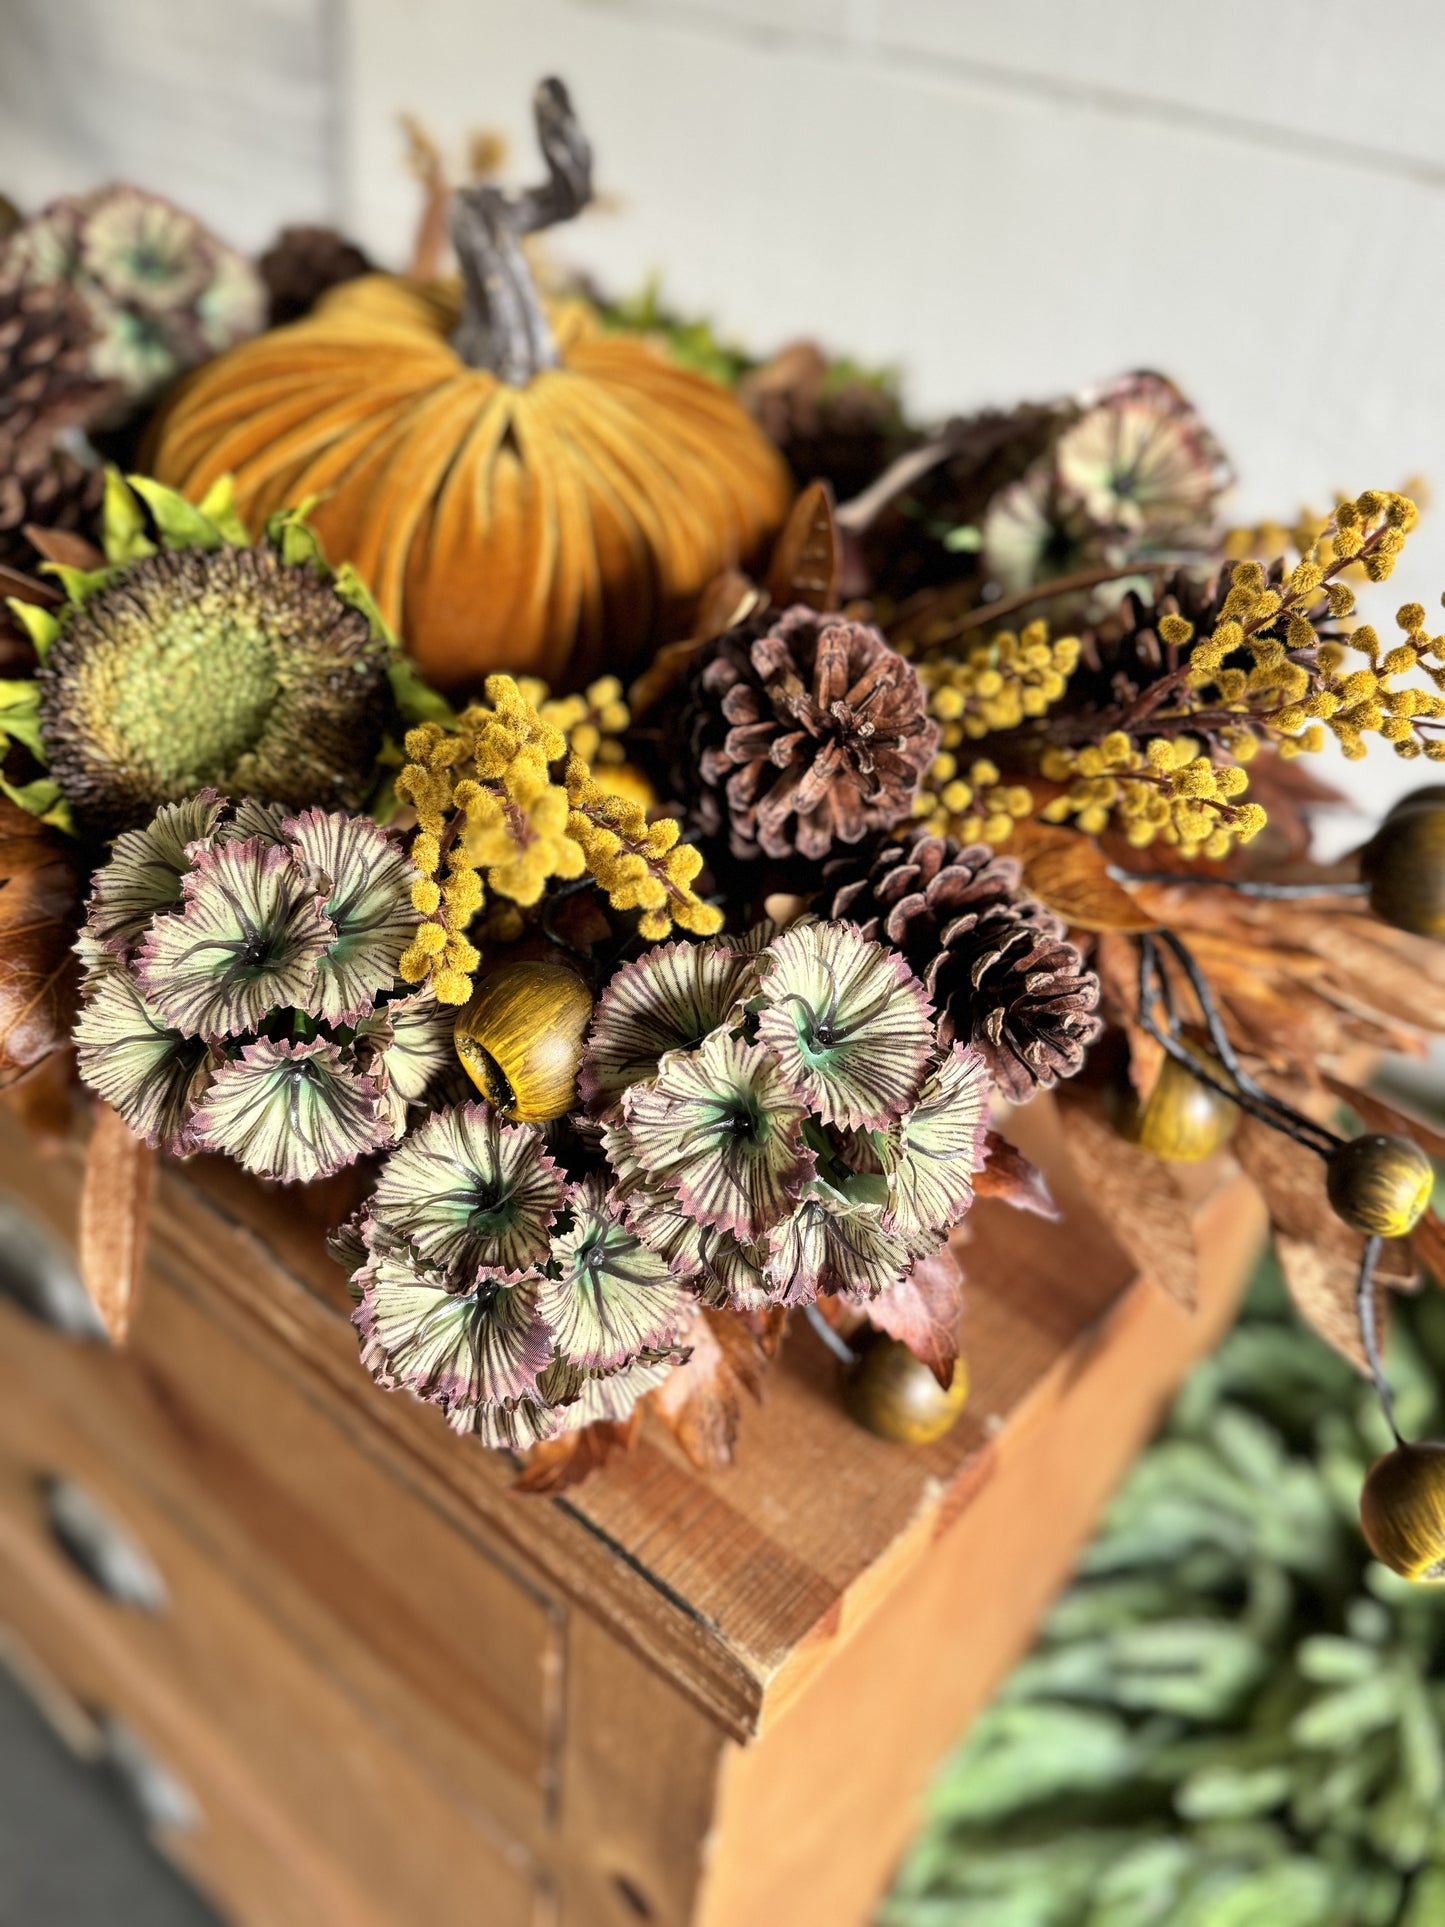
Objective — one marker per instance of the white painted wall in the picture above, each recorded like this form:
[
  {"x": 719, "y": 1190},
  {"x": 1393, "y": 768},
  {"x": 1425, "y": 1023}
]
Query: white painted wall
[{"x": 1006, "y": 198}]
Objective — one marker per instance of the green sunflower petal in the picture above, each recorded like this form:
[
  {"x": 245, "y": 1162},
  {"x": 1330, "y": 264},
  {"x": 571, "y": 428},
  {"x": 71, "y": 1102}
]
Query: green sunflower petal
[
  {"x": 848, "y": 1022},
  {"x": 181, "y": 523},
  {"x": 669, "y": 999},
  {"x": 248, "y": 942},
  {"x": 292, "y": 1111},
  {"x": 366, "y": 881},
  {"x": 721, "y": 1127},
  {"x": 466, "y": 1191},
  {"x": 613, "y": 1297},
  {"x": 930, "y": 1156},
  {"x": 143, "y": 876},
  {"x": 153, "y": 1076}
]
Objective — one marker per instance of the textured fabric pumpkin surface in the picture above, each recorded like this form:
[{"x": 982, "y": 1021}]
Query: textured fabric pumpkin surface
[{"x": 500, "y": 527}]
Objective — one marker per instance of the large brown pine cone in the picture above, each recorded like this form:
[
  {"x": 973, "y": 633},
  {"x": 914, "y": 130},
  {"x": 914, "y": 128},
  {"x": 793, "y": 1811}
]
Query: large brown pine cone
[
  {"x": 996, "y": 963},
  {"x": 46, "y": 385},
  {"x": 301, "y": 264},
  {"x": 45, "y": 487},
  {"x": 828, "y": 426},
  {"x": 1122, "y": 654},
  {"x": 805, "y": 731}
]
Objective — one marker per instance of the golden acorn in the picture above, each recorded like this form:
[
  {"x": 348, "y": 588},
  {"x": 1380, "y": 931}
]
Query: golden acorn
[
  {"x": 520, "y": 1039},
  {"x": 1404, "y": 864},
  {"x": 893, "y": 1394},
  {"x": 1402, "y": 1510},
  {"x": 1380, "y": 1185},
  {"x": 1182, "y": 1121}
]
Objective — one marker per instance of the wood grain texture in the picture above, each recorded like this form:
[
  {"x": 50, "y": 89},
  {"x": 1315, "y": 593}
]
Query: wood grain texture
[{"x": 115, "y": 1209}]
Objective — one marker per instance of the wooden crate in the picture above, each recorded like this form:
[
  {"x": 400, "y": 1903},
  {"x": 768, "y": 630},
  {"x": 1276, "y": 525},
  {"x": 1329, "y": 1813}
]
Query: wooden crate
[{"x": 402, "y": 1693}]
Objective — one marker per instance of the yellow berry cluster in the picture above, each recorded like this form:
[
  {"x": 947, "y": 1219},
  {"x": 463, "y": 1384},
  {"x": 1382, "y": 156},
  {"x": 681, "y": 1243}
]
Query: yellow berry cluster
[
  {"x": 977, "y": 808},
  {"x": 1298, "y": 683},
  {"x": 592, "y": 722},
  {"x": 485, "y": 801},
  {"x": 1168, "y": 792},
  {"x": 998, "y": 683}
]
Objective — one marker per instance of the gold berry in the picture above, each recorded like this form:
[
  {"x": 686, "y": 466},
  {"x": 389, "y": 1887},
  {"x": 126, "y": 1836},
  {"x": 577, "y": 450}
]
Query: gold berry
[
  {"x": 1380, "y": 1185},
  {"x": 894, "y": 1394},
  {"x": 520, "y": 1039},
  {"x": 1402, "y": 1510},
  {"x": 1183, "y": 1119},
  {"x": 1404, "y": 865}
]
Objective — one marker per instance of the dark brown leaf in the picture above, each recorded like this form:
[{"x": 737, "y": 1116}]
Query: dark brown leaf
[
  {"x": 805, "y": 560},
  {"x": 40, "y": 886},
  {"x": 564, "y": 1462},
  {"x": 922, "y": 1311},
  {"x": 1069, "y": 873},
  {"x": 1138, "y": 1196},
  {"x": 114, "y": 1214},
  {"x": 701, "y": 1402},
  {"x": 1009, "y": 1176},
  {"x": 1322, "y": 1285},
  {"x": 63, "y": 545}
]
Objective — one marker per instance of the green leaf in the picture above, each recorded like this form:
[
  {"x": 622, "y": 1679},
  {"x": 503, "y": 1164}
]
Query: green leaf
[
  {"x": 416, "y": 701},
  {"x": 124, "y": 537},
  {"x": 181, "y": 523},
  {"x": 79, "y": 584},
  {"x": 20, "y": 716},
  {"x": 218, "y": 505},
  {"x": 39, "y": 624},
  {"x": 41, "y": 798}
]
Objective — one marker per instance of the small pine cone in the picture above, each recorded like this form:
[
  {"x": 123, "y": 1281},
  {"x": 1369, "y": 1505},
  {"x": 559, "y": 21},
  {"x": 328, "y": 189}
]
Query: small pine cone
[
  {"x": 806, "y": 731},
  {"x": 44, "y": 485},
  {"x": 302, "y": 263},
  {"x": 1121, "y": 655},
  {"x": 46, "y": 384},
  {"x": 997, "y": 964},
  {"x": 844, "y": 432}
]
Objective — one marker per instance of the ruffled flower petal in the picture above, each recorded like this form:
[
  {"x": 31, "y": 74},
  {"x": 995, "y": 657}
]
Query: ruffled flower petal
[
  {"x": 461, "y": 1350},
  {"x": 848, "y": 1022},
  {"x": 365, "y": 881},
  {"x": 721, "y": 1127},
  {"x": 247, "y": 943},
  {"x": 613, "y": 1297},
  {"x": 292, "y": 1111},
  {"x": 153, "y": 1076},
  {"x": 669, "y": 999},
  {"x": 143, "y": 876},
  {"x": 832, "y": 1244},
  {"x": 467, "y": 1192},
  {"x": 930, "y": 1156}
]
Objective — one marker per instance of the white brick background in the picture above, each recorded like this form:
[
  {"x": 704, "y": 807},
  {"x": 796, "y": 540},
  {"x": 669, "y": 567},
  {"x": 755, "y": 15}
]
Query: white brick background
[{"x": 1003, "y": 199}]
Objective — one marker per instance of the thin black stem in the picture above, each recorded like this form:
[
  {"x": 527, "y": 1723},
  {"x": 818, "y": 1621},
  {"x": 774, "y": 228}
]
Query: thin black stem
[
  {"x": 1238, "y": 1088},
  {"x": 1243, "y": 887},
  {"x": 838, "y": 1346},
  {"x": 1369, "y": 1331}
]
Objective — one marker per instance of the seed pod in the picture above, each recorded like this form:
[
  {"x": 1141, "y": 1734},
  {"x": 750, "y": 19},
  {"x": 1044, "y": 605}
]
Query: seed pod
[
  {"x": 1183, "y": 1119},
  {"x": 520, "y": 1039},
  {"x": 1404, "y": 865},
  {"x": 894, "y": 1395},
  {"x": 1380, "y": 1185},
  {"x": 1402, "y": 1510}
]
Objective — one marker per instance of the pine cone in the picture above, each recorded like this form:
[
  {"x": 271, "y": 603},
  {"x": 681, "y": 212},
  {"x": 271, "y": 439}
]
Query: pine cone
[
  {"x": 805, "y": 731},
  {"x": 1122, "y": 654},
  {"x": 996, "y": 964},
  {"x": 46, "y": 384},
  {"x": 302, "y": 263},
  {"x": 43, "y": 484},
  {"x": 827, "y": 425}
]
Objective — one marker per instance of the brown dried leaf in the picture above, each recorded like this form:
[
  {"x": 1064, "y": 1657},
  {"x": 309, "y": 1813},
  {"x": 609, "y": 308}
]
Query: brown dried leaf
[
  {"x": 701, "y": 1402},
  {"x": 63, "y": 545},
  {"x": 922, "y": 1311},
  {"x": 1009, "y": 1176},
  {"x": 114, "y": 1214},
  {"x": 1069, "y": 873},
  {"x": 40, "y": 886},
  {"x": 1138, "y": 1196},
  {"x": 1322, "y": 1285},
  {"x": 564, "y": 1462},
  {"x": 805, "y": 560},
  {"x": 1382, "y": 1114},
  {"x": 1116, "y": 961}
]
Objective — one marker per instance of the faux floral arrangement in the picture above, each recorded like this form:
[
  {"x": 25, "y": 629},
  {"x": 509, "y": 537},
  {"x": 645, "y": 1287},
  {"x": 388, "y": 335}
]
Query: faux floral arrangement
[{"x": 683, "y": 992}]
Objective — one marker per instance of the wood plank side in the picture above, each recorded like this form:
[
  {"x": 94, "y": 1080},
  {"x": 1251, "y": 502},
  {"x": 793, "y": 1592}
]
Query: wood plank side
[
  {"x": 863, "y": 1741},
  {"x": 229, "y": 1690}
]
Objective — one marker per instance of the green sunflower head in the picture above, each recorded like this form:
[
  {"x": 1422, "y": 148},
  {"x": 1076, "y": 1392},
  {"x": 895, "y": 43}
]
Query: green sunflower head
[{"x": 196, "y": 659}]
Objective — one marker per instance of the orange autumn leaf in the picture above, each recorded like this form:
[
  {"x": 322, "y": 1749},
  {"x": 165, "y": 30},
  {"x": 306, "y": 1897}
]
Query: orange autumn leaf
[
  {"x": 1138, "y": 1196},
  {"x": 922, "y": 1311},
  {"x": 40, "y": 886},
  {"x": 701, "y": 1402},
  {"x": 1069, "y": 873}
]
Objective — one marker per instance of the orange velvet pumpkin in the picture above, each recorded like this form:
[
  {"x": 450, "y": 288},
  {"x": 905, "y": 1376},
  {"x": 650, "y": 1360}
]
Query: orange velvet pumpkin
[{"x": 543, "y": 527}]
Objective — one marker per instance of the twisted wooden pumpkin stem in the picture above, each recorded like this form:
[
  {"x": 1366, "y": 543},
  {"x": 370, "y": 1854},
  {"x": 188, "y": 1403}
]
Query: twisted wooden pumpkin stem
[{"x": 503, "y": 327}]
